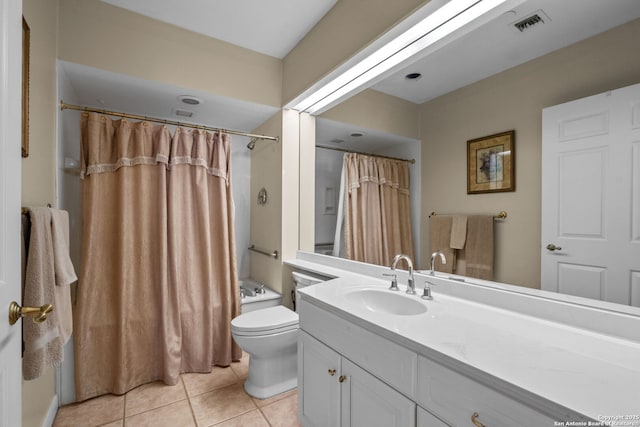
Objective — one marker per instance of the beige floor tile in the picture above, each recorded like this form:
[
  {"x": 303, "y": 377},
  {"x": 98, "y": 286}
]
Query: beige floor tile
[
  {"x": 153, "y": 395},
  {"x": 176, "y": 414},
  {"x": 94, "y": 412},
  {"x": 119, "y": 423},
  {"x": 241, "y": 368},
  {"x": 250, "y": 419},
  {"x": 270, "y": 400},
  {"x": 221, "y": 405},
  {"x": 283, "y": 413},
  {"x": 196, "y": 384}
]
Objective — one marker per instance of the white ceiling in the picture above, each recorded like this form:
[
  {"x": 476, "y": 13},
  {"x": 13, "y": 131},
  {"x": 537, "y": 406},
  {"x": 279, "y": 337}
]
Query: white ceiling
[{"x": 272, "y": 27}]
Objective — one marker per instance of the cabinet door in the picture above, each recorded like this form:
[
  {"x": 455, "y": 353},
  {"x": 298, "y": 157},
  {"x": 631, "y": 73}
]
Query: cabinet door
[
  {"x": 427, "y": 419},
  {"x": 368, "y": 402},
  {"x": 318, "y": 386}
]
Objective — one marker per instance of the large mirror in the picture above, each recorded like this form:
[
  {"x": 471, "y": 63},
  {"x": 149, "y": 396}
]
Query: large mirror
[{"x": 495, "y": 79}]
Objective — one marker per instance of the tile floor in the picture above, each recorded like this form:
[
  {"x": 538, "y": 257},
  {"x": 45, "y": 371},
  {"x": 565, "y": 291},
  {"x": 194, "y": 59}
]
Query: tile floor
[{"x": 198, "y": 400}]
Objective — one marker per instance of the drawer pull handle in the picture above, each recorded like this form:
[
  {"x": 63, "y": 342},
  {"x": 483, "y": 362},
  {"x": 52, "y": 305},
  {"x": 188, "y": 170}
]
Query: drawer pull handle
[
  {"x": 342, "y": 378},
  {"x": 332, "y": 372},
  {"x": 475, "y": 421}
]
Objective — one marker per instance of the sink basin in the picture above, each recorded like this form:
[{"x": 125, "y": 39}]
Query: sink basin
[{"x": 385, "y": 301}]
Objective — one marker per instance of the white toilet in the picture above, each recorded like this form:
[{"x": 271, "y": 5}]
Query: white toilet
[{"x": 270, "y": 336}]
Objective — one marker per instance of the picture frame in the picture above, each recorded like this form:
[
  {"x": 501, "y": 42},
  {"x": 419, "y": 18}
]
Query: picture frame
[
  {"x": 26, "y": 41},
  {"x": 491, "y": 163}
]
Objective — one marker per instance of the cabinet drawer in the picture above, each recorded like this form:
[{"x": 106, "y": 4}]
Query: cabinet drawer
[
  {"x": 388, "y": 361},
  {"x": 426, "y": 419},
  {"x": 454, "y": 398}
]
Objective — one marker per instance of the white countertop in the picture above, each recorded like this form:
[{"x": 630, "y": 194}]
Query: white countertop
[{"x": 590, "y": 373}]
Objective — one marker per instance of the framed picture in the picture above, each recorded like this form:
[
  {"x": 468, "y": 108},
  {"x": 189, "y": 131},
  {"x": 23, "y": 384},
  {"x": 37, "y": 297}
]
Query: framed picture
[
  {"x": 25, "y": 87},
  {"x": 491, "y": 163}
]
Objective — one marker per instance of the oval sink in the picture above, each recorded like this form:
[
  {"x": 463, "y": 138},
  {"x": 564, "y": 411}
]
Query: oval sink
[{"x": 385, "y": 301}]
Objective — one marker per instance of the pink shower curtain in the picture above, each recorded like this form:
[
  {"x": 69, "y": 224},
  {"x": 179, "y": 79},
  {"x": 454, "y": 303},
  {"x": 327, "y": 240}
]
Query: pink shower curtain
[
  {"x": 156, "y": 292},
  {"x": 377, "y": 209}
]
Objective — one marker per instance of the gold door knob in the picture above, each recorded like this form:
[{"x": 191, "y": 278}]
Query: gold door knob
[
  {"x": 475, "y": 421},
  {"x": 342, "y": 378},
  {"x": 551, "y": 247},
  {"x": 332, "y": 372},
  {"x": 39, "y": 313}
]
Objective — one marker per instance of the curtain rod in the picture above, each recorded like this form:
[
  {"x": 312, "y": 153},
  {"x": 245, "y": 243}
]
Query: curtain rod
[
  {"x": 412, "y": 161},
  {"x": 65, "y": 106}
]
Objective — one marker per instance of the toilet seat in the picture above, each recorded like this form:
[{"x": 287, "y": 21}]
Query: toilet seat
[{"x": 265, "y": 321}]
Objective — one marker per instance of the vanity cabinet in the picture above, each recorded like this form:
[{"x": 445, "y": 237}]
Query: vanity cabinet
[
  {"x": 336, "y": 392},
  {"x": 350, "y": 376}
]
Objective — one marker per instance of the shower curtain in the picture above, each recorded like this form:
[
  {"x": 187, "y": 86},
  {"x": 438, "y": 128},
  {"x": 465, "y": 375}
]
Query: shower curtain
[
  {"x": 377, "y": 212},
  {"x": 156, "y": 292}
]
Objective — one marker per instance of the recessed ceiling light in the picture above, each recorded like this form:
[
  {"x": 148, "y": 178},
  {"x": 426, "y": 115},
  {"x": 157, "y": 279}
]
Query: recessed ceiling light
[
  {"x": 356, "y": 134},
  {"x": 189, "y": 99},
  {"x": 413, "y": 76}
]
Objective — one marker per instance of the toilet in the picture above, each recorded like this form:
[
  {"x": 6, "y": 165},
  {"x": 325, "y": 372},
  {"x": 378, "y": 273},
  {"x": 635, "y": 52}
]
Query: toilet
[{"x": 270, "y": 336}]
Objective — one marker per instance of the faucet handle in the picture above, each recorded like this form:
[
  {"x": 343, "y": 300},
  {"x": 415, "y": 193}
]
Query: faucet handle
[
  {"x": 394, "y": 281},
  {"x": 426, "y": 293}
]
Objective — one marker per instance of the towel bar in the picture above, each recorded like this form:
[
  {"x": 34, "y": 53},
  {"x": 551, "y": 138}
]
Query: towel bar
[
  {"x": 501, "y": 215},
  {"x": 273, "y": 254}
]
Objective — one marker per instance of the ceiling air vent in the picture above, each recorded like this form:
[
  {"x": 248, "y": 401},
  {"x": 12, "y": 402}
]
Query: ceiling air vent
[
  {"x": 531, "y": 21},
  {"x": 183, "y": 113}
]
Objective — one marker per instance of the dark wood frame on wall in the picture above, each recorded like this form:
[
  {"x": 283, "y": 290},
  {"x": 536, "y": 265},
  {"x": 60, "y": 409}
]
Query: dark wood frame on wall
[
  {"x": 25, "y": 87},
  {"x": 491, "y": 163}
]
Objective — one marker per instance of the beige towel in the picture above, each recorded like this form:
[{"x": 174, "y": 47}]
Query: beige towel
[
  {"x": 479, "y": 247},
  {"x": 65, "y": 274},
  {"x": 439, "y": 240},
  {"x": 458, "y": 232},
  {"x": 42, "y": 342}
]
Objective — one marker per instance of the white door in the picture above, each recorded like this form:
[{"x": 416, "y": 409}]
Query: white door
[
  {"x": 591, "y": 197},
  {"x": 318, "y": 385},
  {"x": 10, "y": 163},
  {"x": 368, "y": 402}
]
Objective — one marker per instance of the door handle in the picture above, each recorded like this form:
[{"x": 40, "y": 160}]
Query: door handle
[
  {"x": 551, "y": 247},
  {"x": 39, "y": 313}
]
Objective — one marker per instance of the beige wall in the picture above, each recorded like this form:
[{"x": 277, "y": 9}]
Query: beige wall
[
  {"x": 375, "y": 110},
  {"x": 346, "y": 29},
  {"x": 514, "y": 99},
  {"x": 99, "y": 35},
  {"x": 39, "y": 169}
]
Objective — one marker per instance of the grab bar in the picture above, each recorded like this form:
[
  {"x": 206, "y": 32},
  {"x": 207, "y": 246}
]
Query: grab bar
[{"x": 273, "y": 254}]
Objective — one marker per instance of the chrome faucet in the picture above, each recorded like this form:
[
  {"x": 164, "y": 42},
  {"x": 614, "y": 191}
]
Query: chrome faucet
[
  {"x": 433, "y": 261},
  {"x": 426, "y": 293},
  {"x": 411, "y": 287}
]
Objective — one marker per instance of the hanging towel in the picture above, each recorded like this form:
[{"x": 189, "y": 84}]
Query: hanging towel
[
  {"x": 43, "y": 342},
  {"x": 440, "y": 239},
  {"x": 64, "y": 272},
  {"x": 479, "y": 247},
  {"x": 458, "y": 232}
]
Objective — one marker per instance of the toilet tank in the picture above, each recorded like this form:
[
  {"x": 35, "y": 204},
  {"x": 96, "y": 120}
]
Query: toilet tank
[{"x": 257, "y": 301}]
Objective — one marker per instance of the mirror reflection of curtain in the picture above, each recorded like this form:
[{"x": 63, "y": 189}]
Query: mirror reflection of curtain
[
  {"x": 157, "y": 288},
  {"x": 377, "y": 216}
]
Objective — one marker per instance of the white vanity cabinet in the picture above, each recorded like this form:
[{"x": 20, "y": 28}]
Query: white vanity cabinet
[
  {"x": 350, "y": 376},
  {"x": 336, "y": 392}
]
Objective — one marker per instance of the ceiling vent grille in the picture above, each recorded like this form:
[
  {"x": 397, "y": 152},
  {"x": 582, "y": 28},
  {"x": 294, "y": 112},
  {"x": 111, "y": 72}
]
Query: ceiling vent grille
[
  {"x": 531, "y": 21},
  {"x": 183, "y": 113}
]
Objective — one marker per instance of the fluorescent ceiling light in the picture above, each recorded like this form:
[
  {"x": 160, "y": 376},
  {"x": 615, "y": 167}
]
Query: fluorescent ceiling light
[{"x": 452, "y": 16}]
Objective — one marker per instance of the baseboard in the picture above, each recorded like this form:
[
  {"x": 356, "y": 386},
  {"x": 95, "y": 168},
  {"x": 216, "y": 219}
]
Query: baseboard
[{"x": 51, "y": 413}]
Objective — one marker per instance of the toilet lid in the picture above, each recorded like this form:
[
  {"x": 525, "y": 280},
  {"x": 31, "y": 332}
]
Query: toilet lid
[{"x": 264, "y": 320}]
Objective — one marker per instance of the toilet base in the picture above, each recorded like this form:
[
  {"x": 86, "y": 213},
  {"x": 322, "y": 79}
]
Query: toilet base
[{"x": 272, "y": 375}]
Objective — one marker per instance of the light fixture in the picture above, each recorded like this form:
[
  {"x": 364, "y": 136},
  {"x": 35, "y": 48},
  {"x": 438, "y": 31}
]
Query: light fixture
[
  {"x": 189, "y": 99},
  {"x": 451, "y": 16},
  {"x": 356, "y": 134},
  {"x": 413, "y": 76}
]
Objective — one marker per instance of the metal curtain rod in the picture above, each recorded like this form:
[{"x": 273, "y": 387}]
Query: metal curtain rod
[
  {"x": 65, "y": 106},
  {"x": 412, "y": 161},
  {"x": 501, "y": 215}
]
